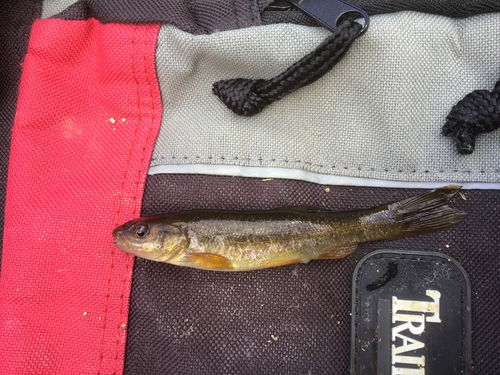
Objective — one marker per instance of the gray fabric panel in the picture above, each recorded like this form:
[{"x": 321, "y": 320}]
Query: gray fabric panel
[
  {"x": 52, "y": 7},
  {"x": 377, "y": 114}
]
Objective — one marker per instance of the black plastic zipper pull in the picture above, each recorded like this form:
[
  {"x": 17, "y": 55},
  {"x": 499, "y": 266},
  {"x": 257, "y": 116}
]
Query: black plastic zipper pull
[
  {"x": 279, "y": 5},
  {"x": 248, "y": 97},
  {"x": 282, "y": 11},
  {"x": 330, "y": 12}
]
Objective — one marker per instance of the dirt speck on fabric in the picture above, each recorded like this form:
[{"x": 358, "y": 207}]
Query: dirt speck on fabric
[
  {"x": 327, "y": 190},
  {"x": 123, "y": 120},
  {"x": 123, "y": 326},
  {"x": 462, "y": 195},
  {"x": 85, "y": 314},
  {"x": 112, "y": 120}
]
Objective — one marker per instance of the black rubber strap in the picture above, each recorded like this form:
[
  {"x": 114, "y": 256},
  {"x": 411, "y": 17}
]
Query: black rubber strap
[
  {"x": 248, "y": 97},
  {"x": 478, "y": 112}
]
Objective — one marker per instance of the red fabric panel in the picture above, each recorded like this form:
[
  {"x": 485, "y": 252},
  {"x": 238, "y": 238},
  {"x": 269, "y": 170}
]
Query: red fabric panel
[{"x": 75, "y": 174}]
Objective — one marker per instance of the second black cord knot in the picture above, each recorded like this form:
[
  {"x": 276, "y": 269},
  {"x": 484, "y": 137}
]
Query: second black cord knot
[{"x": 478, "y": 112}]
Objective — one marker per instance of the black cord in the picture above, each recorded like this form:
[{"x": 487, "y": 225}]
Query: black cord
[{"x": 248, "y": 97}]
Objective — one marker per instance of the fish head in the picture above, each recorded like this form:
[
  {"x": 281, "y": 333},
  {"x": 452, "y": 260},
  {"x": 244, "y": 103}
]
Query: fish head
[{"x": 151, "y": 239}]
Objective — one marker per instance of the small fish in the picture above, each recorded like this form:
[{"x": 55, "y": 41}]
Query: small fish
[{"x": 241, "y": 241}]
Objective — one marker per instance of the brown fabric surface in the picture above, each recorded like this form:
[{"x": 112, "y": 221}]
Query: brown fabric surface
[
  {"x": 292, "y": 319},
  {"x": 16, "y": 18}
]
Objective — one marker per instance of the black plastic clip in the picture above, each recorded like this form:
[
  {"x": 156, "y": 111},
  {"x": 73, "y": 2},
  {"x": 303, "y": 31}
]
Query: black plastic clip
[{"x": 328, "y": 12}]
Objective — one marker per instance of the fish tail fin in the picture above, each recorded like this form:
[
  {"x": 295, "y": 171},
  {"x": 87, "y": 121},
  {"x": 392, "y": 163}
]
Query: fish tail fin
[{"x": 427, "y": 212}]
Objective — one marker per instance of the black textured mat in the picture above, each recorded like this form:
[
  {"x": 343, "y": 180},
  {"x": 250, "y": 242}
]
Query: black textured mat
[
  {"x": 292, "y": 319},
  {"x": 411, "y": 313}
]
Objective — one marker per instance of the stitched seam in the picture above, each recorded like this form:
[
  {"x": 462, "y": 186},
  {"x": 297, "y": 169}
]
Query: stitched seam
[
  {"x": 260, "y": 160},
  {"x": 195, "y": 28},
  {"x": 153, "y": 112},
  {"x": 235, "y": 11},
  {"x": 27, "y": 31},
  {"x": 24, "y": 44},
  {"x": 250, "y": 10},
  {"x": 101, "y": 344},
  {"x": 136, "y": 203}
]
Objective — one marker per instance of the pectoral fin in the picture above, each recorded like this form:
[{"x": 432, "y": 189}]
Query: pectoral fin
[
  {"x": 338, "y": 252},
  {"x": 209, "y": 261}
]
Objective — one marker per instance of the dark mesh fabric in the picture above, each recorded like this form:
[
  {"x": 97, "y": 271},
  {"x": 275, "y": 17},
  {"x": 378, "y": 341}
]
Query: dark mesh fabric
[
  {"x": 16, "y": 18},
  {"x": 207, "y": 16},
  {"x": 292, "y": 319},
  {"x": 450, "y": 8},
  {"x": 194, "y": 16}
]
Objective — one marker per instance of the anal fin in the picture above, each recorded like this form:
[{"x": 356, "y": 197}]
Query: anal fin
[
  {"x": 281, "y": 262},
  {"x": 209, "y": 261},
  {"x": 338, "y": 252}
]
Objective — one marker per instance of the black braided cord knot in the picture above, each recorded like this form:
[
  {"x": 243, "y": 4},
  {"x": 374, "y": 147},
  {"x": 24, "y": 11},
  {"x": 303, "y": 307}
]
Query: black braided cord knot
[
  {"x": 237, "y": 95},
  {"x": 478, "y": 112},
  {"x": 248, "y": 97}
]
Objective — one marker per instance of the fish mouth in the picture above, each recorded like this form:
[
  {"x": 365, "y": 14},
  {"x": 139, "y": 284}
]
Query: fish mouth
[
  {"x": 119, "y": 245},
  {"x": 117, "y": 242}
]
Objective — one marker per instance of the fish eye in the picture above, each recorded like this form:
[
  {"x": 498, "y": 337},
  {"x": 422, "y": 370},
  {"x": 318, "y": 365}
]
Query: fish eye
[{"x": 141, "y": 230}]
